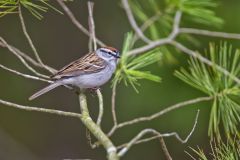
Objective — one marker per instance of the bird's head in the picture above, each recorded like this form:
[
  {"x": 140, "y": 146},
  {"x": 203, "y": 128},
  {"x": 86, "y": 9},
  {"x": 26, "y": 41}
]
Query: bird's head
[{"x": 108, "y": 53}]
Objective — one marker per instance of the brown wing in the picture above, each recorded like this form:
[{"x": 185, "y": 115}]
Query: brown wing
[{"x": 89, "y": 63}]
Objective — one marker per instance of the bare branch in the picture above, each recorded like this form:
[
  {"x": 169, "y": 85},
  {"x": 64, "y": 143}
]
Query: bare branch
[
  {"x": 89, "y": 138},
  {"x": 164, "y": 111},
  {"x": 92, "y": 25},
  {"x": 209, "y": 33},
  {"x": 133, "y": 22},
  {"x": 148, "y": 47},
  {"x": 152, "y": 131},
  {"x": 176, "y": 24},
  {"x": 205, "y": 60},
  {"x": 76, "y": 22},
  {"x": 150, "y": 21},
  {"x": 165, "y": 149},
  {"x": 37, "y": 109},
  {"x": 21, "y": 59},
  {"x": 101, "y": 109},
  {"x": 92, "y": 40},
  {"x": 172, "y": 36},
  {"x": 30, "y": 40},
  {"x": 26, "y": 57},
  {"x": 114, "y": 116},
  {"x": 114, "y": 104},
  {"x": 146, "y": 24},
  {"x": 157, "y": 43},
  {"x": 24, "y": 75}
]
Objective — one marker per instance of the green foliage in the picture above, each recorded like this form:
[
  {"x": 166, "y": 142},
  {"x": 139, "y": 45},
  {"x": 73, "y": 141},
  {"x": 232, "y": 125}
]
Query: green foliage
[
  {"x": 201, "y": 12},
  {"x": 159, "y": 15},
  {"x": 198, "y": 11},
  {"x": 225, "y": 109},
  {"x": 219, "y": 151},
  {"x": 129, "y": 66},
  {"x": 34, "y": 7}
]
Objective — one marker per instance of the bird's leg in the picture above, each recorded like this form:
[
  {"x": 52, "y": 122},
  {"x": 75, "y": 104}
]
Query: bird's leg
[{"x": 93, "y": 90}]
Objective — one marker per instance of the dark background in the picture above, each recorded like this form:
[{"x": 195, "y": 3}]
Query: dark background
[{"x": 31, "y": 135}]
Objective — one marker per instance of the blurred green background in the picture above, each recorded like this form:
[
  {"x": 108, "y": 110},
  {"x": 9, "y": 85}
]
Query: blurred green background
[{"x": 30, "y": 135}]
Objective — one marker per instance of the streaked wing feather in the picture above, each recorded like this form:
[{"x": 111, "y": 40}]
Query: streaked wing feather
[{"x": 89, "y": 63}]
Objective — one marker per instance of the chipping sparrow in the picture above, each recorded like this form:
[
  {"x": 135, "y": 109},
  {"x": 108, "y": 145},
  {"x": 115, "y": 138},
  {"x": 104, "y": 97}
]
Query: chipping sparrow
[{"x": 90, "y": 71}]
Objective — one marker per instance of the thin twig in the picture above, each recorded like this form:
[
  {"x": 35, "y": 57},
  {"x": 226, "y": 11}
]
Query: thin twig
[
  {"x": 92, "y": 25},
  {"x": 26, "y": 57},
  {"x": 164, "y": 148},
  {"x": 149, "y": 46},
  {"x": 22, "y": 60},
  {"x": 163, "y": 41},
  {"x": 209, "y": 33},
  {"x": 92, "y": 40},
  {"x": 76, "y": 22},
  {"x": 30, "y": 40},
  {"x": 176, "y": 24},
  {"x": 150, "y": 21},
  {"x": 135, "y": 140},
  {"x": 133, "y": 22},
  {"x": 114, "y": 115},
  {"x": 170, "y": 40},
  {"x": 37, "y": 109},
  {"x": 101, "y": 109},
  {"x": 164, "y": 111},
  {"x": 146, "y": 24},
  {"x": 24, "y": 75}
]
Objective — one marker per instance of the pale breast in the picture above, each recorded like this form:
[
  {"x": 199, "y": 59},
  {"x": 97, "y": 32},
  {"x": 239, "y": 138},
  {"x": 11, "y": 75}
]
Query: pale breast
[{"x": 92, "y": 80}]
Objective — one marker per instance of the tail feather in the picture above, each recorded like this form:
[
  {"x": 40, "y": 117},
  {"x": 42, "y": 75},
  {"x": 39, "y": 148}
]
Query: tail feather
[{"x": 44, "y": 90}]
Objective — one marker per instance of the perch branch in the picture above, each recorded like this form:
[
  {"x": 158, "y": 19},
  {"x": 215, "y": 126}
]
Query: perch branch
[{"x": 96, "y": 130}]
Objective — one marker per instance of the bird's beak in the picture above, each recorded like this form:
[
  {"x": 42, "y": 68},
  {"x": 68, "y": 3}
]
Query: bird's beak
[{"x": 117, "y": 56}]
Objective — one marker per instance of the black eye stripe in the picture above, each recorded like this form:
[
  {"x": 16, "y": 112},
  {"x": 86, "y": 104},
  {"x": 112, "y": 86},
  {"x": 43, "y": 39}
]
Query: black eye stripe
[
  {"x": 106, "y": 52},
  {"x": 111, "y": 53}
]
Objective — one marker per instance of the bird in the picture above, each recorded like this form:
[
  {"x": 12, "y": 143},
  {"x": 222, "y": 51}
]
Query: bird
[{"x": 90, "y": 71}]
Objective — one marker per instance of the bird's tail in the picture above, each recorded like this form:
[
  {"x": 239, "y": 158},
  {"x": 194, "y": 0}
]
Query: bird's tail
[{"x": 44, "y": 90}]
